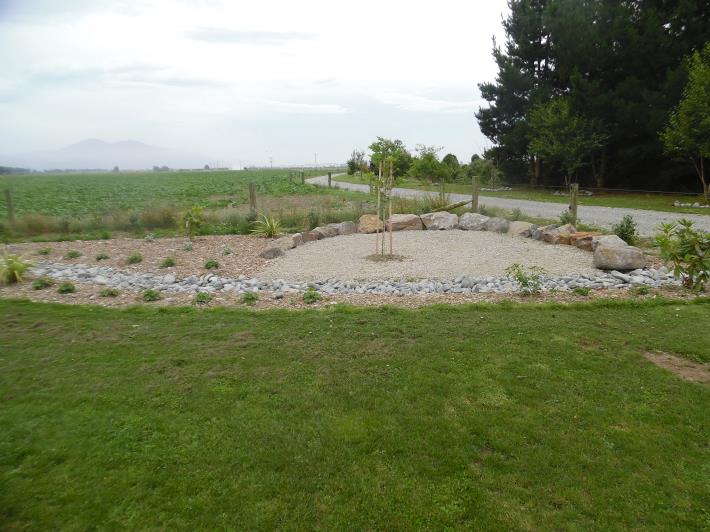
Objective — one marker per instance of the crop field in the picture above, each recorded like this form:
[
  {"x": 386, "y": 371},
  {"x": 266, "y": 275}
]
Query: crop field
[{"x": 84, "y": 194}]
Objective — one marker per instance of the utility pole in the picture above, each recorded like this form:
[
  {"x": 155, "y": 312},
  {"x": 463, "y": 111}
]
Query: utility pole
[
  {"x": 271, "y": 162},
  {"x": 315, "y": 159}
]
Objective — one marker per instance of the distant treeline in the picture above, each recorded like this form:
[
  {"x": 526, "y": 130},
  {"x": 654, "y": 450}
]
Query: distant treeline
[{"x": 620, "y": 68}]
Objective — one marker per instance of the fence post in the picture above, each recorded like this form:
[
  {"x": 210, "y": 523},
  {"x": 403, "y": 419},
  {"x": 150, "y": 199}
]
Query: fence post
[
  {"x": 10, "y": 208},
  {"x": 475, "y": 191},
  {"x": 442, "y": 192},
  {"x": 329, "y": 181},
  {"x": 573, "y": 191},
  {"x": 303, "y": 177},
  {"x": 252, "y": 198}
]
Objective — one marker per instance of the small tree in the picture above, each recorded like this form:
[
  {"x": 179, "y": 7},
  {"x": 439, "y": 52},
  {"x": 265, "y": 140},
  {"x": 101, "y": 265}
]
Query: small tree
[
  {"x": 382, "y": 149},
  {"x": 687, "y": 134},
  {"x": 562, "y": 136},
  {"x": 357, "y": 162},
  {"x": 427, "y": 167}
]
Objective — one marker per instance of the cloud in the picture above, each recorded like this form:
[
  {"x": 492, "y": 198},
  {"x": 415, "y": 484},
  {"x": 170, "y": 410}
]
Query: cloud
[
  {"x": 227, "y": 36},
  {"x": 304, "y": 108},
  {"x": 414, "y": 102}
]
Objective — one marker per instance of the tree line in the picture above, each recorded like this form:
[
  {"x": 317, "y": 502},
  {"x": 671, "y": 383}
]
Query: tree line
[{"x": 607, "y": 93}]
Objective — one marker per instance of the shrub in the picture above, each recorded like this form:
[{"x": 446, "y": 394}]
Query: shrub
[
  {"x": 135, "y": 258},
  {"x": 187, "y": 246},
  {"x": 211, "y": 264},
  {"x": 566, "y": 217},
  {"x": 311, "y": 296},
  {"x": 109, "y": 292},
  {"x": 44, "y": 251},
  {"x": 12, "y": 268},
  {"x": 192, "y": 221},
  {"x": 105, "y": 235},
  {"x": 267, "y": 226},
  {"x": 312, "y": 219},
  {"x": 66, "y": 288},
  {"x": 516, "y": 214},
  {"x": 529, "y": 279},
  {"x": 42, "y": 282},
  {"x": 202, "y": 298},
  {"x": 581, "y": 290},
  {"x": 626, "y": 230},
  {"x": 168, "y": 262},
  {"x": 72, "y": 254},
  {"x": 688, "y": 250},
  {"x": 151, "y": 295},
  {"x": 149, "y": 237},
  {"x": 101, "y": 256},
  {"x": 640, "y": 290},
  {"x": 226, "y": 250},
  {"x": 250, "y": 298}
]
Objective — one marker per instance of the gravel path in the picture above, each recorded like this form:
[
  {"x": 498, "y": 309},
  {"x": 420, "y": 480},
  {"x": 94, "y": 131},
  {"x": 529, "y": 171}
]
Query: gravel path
[
  {"x": 605, "y": 217},
  {"x": 429, "y": 254}
]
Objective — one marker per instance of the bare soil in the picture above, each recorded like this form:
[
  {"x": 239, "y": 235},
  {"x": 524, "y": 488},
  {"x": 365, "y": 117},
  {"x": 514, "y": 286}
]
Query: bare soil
[{"x": 684, "y": 368}]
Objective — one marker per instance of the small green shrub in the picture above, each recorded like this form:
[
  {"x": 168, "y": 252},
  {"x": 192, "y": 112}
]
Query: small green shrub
[
  {"x": 66, "y": 288},
  {"x": 109, "y": 292},
  {"x": 267, "y": 226},
  {"x": 529, "y": 279},
  {"x": 249, "y": 298},
  {"x": 12, "y": 268},
  {"x": 72, "y": 254},
  {"x": 135, "y": 258},
  {"x": 101, "y": 256},
  {"x": 312, "y": 219},
  {"x": 149, "y": 237},
  {"x": 168, "y": 262},
  {"x": 42, "y": 282},
  {"x": 211, "y": 264},
  {"x": 688, "y": 251},
  {"x": 105, "y": 235},
  {"x": 516, "y": 214},
  {"x": 626, "y": 230},
  {"x": 187, "y": 246},
  {"x": 581, "y": 290},
  {"x": 226, "y": 250},
  {"x": 566, "y": 217},
  {"x": 311, "y": 296},
  {"x": 44, "y": 251},
  {"x": 202, "y": 298},
  {"x": 640, "y": 290},
  {"x": 151, "y": 295},
  {"x": 192, "y": 221}
]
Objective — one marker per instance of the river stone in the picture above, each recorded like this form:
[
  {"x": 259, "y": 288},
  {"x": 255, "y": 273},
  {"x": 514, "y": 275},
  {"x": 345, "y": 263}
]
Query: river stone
[
  {"x": 369, "y": 223},
  {"x": 405, "y": 222},
  {"x": 271, "y": 253},
  {"x": 297, "y": 239},
  {"x": 309, "y": 236},
  {"x": 520, "y": 229},
  {"x": 582, "y": 239},
  {"x": 439, "y": 221},
  {"x": 497, "y": 225},
  {"x": 347, "y": 228},
  {"x": 565, "y": 232},
  {"x": 285, "y": 242},
  {"x": 551, "y": 236},
  {"x": 607, "y": 240},
  {"x": 472, "y": 221},
  {"x": 328, "y": 230},
  {"x": 615, "y": 257},
  {"x": 538, "y": 232}
]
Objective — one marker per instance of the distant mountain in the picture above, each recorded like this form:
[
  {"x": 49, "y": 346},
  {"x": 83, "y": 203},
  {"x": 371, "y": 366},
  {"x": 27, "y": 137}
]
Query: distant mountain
[{"x": 95, "y": 153}]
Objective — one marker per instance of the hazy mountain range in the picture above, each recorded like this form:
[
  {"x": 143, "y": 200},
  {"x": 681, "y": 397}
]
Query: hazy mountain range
[{"x": 97, "y": 154}]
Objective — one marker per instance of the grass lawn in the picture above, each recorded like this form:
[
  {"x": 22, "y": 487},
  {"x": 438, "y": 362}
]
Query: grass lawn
[
  {"x": 530, "y": 417},
  {"x": 652, "y": 202}
]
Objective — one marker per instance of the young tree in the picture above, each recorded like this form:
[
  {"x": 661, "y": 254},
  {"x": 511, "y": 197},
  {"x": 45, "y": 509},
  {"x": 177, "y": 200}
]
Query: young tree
[
  {"x": 356, "y": 163},
  {"x": 687, "y": 134},
  {"x": 383, "y": 148},
  {"x": 427, "y": 167},
  {"x": 452, "y": 162},
  {"x": 564, "y": 137}
]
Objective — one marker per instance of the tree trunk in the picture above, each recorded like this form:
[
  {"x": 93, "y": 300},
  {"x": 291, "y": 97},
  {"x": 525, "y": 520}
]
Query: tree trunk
[{"x": 600, "y": 177}]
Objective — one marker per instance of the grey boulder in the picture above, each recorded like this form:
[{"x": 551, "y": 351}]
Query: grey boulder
[
  {"x": 472, "y": 221},
  {"x": 439, "y": 221},
  {"x": 497, "y": 225}
]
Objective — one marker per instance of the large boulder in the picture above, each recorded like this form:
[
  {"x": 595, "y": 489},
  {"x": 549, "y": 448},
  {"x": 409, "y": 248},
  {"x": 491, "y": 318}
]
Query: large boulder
[
  {"x": 288, "y": 242},
  {"x": 347, "y": 228},
  {"x": 472, "y": 221},
  {"x": 607, "y": 240},
  {"x": 434, "y": 221},
  {"x": 522, "y": 229},
  {"x": 582, "y": 239},
  {"x": 405, "y": 222},
  {"x": 615, "y": 257},
  {"x": 369, "y": 223},
  {"x": 271, "y": 253},
  {"x": 310, "y": 236},
  {"x": 497, "y": 225},
  {"x": 565, "y": 232},
  {"x": 539, "y": 232}
]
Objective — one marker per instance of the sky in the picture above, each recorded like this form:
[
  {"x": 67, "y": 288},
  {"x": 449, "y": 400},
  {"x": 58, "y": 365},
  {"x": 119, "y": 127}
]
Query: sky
[{"x": 246, "y": 82}]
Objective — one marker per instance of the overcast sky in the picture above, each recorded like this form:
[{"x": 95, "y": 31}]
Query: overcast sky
[{"x": 244, "y": 81}]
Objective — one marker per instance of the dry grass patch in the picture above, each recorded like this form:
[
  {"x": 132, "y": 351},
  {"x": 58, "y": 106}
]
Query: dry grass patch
[{"x": 684, "y": 368}]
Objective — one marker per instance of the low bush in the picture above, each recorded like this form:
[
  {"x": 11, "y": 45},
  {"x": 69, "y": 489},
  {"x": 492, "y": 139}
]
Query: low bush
[
  {"x": 101, "y": 256},
  {"x": 202, "y": 298},
  {"x": 211, "y": 264},
  {"x": 151, "y": 295},
  {"x": 688, "y": 251},
  {"x": 109, "y": 292},
  {"x": 44, "y": 251},
  {"x": 72, "y": 254},
  {"x": 566, "y": 217},
  {"x": 41, "y": 283},
  {"x": 12, "y": 268},
  {"x": 66, "y": 288},
  {"x": 192, "y": 221},
  {"x": 249, "y": 298},
  {"x": 226, "y": 250},
  {"x": 581, "y": 291},
  {"x": 640, "y": 290},
  {"x": 168, "y": 262},
  {"x": 626, "y": 230},
  {"x": 267, "y": 226},
  {"x": 149, "y": 237},
  {"x": 311, "y": 296},
  {"x": 187, "y": 246},
  {"x": 529, "y": 279},
  {"x": 135, "y": 258}
]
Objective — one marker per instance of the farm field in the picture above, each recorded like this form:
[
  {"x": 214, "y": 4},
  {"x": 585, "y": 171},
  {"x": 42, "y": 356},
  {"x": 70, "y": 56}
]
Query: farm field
[
  {"x": 515, "y": 417},
  {"x": 652, "y": 202}
]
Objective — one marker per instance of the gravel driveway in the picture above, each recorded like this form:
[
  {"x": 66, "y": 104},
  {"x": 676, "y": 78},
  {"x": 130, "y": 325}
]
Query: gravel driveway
[
  {"x": 605, "y": 217},
  {"x": 429, "y": 255}
]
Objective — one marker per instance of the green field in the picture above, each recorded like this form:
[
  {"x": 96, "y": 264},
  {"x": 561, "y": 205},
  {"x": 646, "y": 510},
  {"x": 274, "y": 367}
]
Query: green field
[
  {"x": 508, "y": 417},
  {"x": 83, "y": 194},
  {"x": 652, "y": 202}
]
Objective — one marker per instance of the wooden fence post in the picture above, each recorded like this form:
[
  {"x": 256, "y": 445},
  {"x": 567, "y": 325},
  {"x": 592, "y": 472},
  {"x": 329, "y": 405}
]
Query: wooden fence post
[
  {"x": 475, "y": 191},
  {"x": 9, "y": 206},
  {"x": 442, "y": 192},
  {"x": 303, "y": 177},
  {"x": 573, "y": 192},
  {"x": 252, "y": 198},
  {"x": 329, "y": 181}
]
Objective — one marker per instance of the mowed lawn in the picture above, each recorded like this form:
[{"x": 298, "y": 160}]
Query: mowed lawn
[{"x": 507, "y": 417}]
